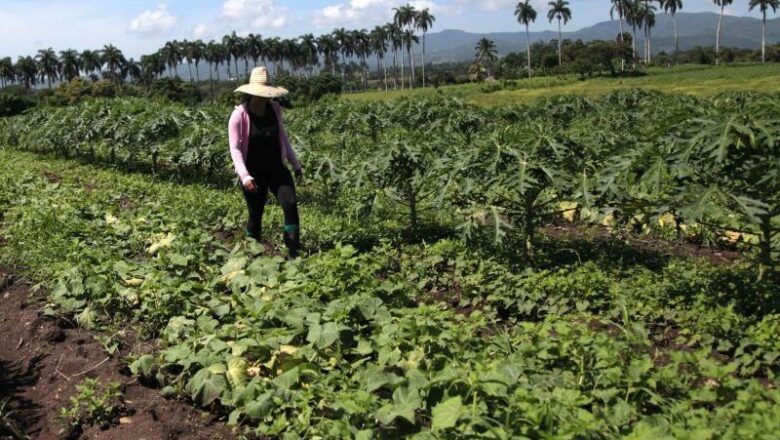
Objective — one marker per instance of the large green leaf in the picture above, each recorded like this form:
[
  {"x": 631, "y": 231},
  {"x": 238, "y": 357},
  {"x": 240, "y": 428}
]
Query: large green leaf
[{"x": 446, "y": 413}]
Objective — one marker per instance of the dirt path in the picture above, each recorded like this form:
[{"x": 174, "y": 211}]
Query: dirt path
[{"x": 41, "y": 364}]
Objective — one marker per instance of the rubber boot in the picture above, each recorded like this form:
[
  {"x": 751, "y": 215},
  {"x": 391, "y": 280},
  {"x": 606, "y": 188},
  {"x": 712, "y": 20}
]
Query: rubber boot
[
  {"x": 292, "y": 240},
  {"x": 250, "y": 234}
]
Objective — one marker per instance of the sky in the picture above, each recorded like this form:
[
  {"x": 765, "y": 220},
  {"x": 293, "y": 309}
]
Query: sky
[{"x": 142, "y": 26}]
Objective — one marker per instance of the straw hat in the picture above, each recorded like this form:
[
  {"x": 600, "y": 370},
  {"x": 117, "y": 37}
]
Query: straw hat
[{"x": 259, "y": 85}]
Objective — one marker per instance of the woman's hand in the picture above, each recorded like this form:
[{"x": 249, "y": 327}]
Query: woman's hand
[
  {"x": 299, "y": 175},
  {"x": 250, "y": 186}
]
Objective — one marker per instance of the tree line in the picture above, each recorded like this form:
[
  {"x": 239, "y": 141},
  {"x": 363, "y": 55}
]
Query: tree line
[
  {"x": 639, "y": 16},
  {"x": 342, "y": 52}
]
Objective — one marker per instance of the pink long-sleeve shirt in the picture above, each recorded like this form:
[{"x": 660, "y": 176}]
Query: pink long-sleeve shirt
[{"x": 238, "y": 137}]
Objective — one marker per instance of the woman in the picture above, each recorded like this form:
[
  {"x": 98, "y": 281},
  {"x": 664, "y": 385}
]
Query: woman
[{"x": 258, "y": 146}]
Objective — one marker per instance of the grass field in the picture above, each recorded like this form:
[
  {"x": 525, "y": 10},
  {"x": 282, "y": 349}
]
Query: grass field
[{"x": 689, "y": 79}]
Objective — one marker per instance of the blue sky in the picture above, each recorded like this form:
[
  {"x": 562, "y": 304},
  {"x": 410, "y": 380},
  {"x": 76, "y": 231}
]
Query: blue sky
[{"x": 141, "y": 26}]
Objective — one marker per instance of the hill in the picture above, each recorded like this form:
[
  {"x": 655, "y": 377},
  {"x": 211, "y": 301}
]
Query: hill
[{"x": 696, "y": 29}]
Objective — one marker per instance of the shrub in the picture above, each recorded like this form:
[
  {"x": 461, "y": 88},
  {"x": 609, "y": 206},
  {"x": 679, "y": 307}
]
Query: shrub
[{"x": 13, "y": 104}]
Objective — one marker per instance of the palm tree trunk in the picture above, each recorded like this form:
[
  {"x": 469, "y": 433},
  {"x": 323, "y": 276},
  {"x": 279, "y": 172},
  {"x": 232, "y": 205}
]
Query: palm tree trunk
[
  {"x": 649, "y": 45},
  {"x": 403, "y": 61},
  {"x": 717, "y": 35},
  {"x": 620, "y": 39},
  {"x": 560, "y": 46},
  {"x": 189, "y": 70},
  {"x": 197, "y": 73},
  {"x": 211, "y": 79},
  {"x": 763, "y": 39},
  {"x": 216, "y": 69},
  {"x": 384, "y": 66},
  {"x": 676, "y": 38},
  {"x": 423, "y": 61},
  {"x": 235, "y": 63},
  {"x": 411, "y": 64},
  {"x": 395, "y": 68},
  {"x": 528, "y": 48},
  {"x": 378, "y": 66}
]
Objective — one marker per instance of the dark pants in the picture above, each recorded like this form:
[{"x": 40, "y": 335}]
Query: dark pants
[{"x": 279, "y": 182}]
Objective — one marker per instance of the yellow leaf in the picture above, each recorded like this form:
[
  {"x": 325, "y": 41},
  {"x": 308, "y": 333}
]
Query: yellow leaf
[
  {"x": 289, "y": 349},
  {"x": 134, "y": 282}
]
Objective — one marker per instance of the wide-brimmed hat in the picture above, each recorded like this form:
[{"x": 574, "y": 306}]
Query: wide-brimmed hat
[{"x": 260, "y": 85}]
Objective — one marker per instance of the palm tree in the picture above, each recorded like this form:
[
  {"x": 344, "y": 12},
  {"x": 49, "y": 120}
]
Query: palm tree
[
  {"x": 404, "y": 18},
  {"x": 646, "y": 20},
  {"x": 234, "y": 46},
  {"x": 424, "y": 21},
  {"x": 197, "y": 53},
  {"x": 185, "y": 47},
  {"x": 621, "y": 7},
  {"x": 273, "y": 51},
  {"x": 289, "y": 51},
  {"x": 362, "y": 49},
  {"x": 526, "y": 14},
  {"x": 90, "y": 61},
  {"x": 7, "y": 72},
  {"x": 378, "y": 39},
  {"x": 308, "y": 49},
  {"x": 410, "y": 40},
  {"x": 48, "y": 65},
  {"x": 214, "y": 55},
  {"x": 671, "y": 7},
  {"x": 328, "y": 47},
  {"x": 172, "y": 55},
  {"x": 152, "y": 66},
  {"x": 27, "y": 71},
  {"x": 71, "y": 64},
  {"x": 559, "y": 9},
  {"x": 722, "y": 4},
  {"x": 763, "y": 6},
  {"x": 133, "y": 69},
  {"x": 344, "y": 39},
  {"x": 632, "y": 14},
  {"x": 112, "y": 57},
  {"x": 394, "y": 36},
  {"x": 486, "y": 53},
  {"x": 255, "y": 47}
]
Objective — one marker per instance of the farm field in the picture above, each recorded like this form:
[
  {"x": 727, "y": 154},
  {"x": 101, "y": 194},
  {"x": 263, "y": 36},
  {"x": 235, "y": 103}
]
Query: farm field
[
  {"x": 694, "y": 80},
  {"x": 510, "y": 272}
]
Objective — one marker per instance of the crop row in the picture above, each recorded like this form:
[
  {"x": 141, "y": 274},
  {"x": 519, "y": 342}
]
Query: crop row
[{"x": 388, "y": 340}]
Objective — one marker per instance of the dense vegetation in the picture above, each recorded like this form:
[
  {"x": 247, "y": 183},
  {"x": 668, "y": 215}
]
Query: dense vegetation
[
  {"x": 609, "y": 157},
  {"x": 434, "y": 301}
]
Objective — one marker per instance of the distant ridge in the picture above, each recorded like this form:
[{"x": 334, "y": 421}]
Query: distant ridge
[{"x": 696, "y": 29}]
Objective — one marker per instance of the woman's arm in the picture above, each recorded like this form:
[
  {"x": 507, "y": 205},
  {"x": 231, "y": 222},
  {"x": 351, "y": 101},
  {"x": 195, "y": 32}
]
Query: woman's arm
[
  {"x": 234, "y": 134},
  {"x": 289, "y": 153}
]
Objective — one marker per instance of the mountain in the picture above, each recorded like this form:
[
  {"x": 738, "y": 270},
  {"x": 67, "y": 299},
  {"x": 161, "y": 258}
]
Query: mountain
[{"x": 696, "y": 29}]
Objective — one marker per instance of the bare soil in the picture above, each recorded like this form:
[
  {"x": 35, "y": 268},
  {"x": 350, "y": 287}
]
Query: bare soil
[
  {"x": 589, "y": 233},
  {"x": 41, "y": 363}
]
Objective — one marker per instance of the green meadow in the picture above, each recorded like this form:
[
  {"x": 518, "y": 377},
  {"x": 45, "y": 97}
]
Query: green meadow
[{"x": 696, "y": 80}]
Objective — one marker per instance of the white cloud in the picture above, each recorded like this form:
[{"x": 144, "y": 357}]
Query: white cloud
[
  {"x": 257, "y": 13},
  {"x": 153, "y": 21},
  {"x": 200, "y": 30},
  {"x": 367, "y": 13}
]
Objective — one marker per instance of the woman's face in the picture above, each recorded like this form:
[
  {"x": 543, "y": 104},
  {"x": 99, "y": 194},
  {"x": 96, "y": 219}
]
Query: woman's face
[{"x": 257, "y": 100}]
